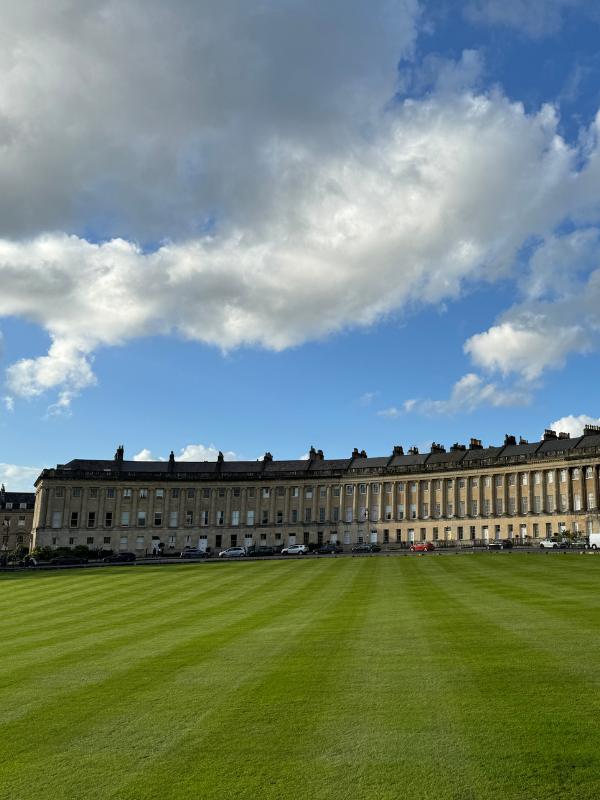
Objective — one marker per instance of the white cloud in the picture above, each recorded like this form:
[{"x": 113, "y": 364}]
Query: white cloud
[
  {"x": 17, "y": 478},
  {"x": 536, "y": 18},
  {"x": 191, "y": 452},
  {"x": 367, "y": 398},
  {"x": 392, "y": 412},
  {"x": 529, "y": 346},
  {"x": 250, "y": 144},
  {"x": 9, "y": 403},
  {"x": 469, "y": 393},
  {"x": 573, "y": 424},
  {"x": 414, "y": 209}
]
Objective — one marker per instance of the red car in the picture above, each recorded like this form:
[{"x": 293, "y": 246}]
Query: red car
[{"x": 422, "y": 547}]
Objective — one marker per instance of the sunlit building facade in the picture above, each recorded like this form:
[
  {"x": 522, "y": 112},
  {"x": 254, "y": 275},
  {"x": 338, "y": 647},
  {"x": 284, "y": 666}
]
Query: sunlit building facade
[{"x": 520, "y": 490}]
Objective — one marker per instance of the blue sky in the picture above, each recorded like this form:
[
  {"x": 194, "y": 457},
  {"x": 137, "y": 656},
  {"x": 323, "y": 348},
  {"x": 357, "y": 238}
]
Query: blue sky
[{"x": 267, "y": 226}]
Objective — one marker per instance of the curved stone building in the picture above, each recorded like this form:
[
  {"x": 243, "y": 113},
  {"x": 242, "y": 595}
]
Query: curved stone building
[{"x": 519, "y": 490}]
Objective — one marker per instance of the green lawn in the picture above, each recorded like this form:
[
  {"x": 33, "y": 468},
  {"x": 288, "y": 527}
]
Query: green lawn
[{"x": 472, "y": 676}]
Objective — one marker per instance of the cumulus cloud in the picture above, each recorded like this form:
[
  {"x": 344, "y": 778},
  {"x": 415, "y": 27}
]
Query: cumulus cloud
[
  {"x": 191, "y": 452},
  {"x": 573, "y": 424},
  {"x": 559, "y": 315},
  {"x": 392, "y": 412},
  {"x": 535, "y": 18},
  {"x": 17, "y": 478},
  {"x": 250, "y": 182},
  {"x": 469, "y": 393}
]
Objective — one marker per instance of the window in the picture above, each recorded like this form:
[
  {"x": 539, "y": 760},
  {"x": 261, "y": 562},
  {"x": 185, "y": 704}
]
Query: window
[
  {"x": 76, "y": 492},
  {"x": 159, "y": 494},
  {"x": 524, "y": 479},
  {"x": 362, "y": 488},
  {"x": 413, "y": 487},
  {"x": 236, "y": 491},
  {"x": 486, "y": 508},
  {"x": 106, "y": 540},
  {"x": 93, "y": 493},
  {"x": 173, "y": 518},
  {"x": 487, "y": 481},
  {"x": 189, "y": 518},
  {"x": 175, "y": 493},
  {"x": 461, "y": 508},
  {"x": 307, "y": 514},
  {"x": 475, "y": 483},
  {"x": 143, "y": 494},
  {"x": 471, "y": 531},
  {"x": 158, "y": 519},
  {"x": 335, "y": 514},
  {"x": 499, "y": 506},
  {"x": 577, "y": 502},
  {"x": 250, "y": 517},
  {"x": 474, "y": 508},
  {"x": 110, "y": 493},
  {"x": 141, "y": 519},
  {"x": 204, "y": 517},
  {"x": 591, "y": 498},
  {"x": 74, "y": 519},
  {"x": 90, "y": 540},
  {"x": 264, "y": 519},
  {"x": 387, "y": 490},
  {"x": 435, "y": 534},
  {"x": 425, "y": 510},
  {"x": 349, "y": 489},
  {"x": 265, "y": 491},
  {"x": 512, "y": 479},
  {"x": 218, "y": 540},
  {"x": 537, "y": 478},
  {"x": 124, "y": 519},
  {"x": 308, "y": 493},
  {"x": 589, "y": 472},
  {"x": 388, "y": 512},
  {"x": 398, "y": 535},
  {"x": 563, "y": 475},
  {"x": 322, "y": 514},
  {"x": 413, "y": 511},
  {"x": 400, "y": 511},
  {"x": 222, "y": 492},
  {"x": 294, "y": 517},
  {"x": 348, "y": 515},
  {"x": 401, "y": 486},
  {"x": 127, "y": 494},
  {"x": 279, "y": 518},
  {"x": 59, "y": 492},
  {"x": 550, "y": 477},
  {"x": 235, "y": 518},
  {"x": 251, "y": 492},
  {"x": 512, "y": 505},
  {"x": 374, "y": 514},
  {"x": 524, "y": 505},
  {"x": 205, "y": 493},
  {"x": 220, "y": 517},
  {"x": 537, "y": 503},
  {"x": 323, "y": 491},
  {"x": 71, "y": 539},
  {"x": 450, "y": 509},
  {"x": 191, "y": 493},
  {"x": 336, "y": 491},
  {"x": 498, "y": 480},
  {"x": 437, "y": 509},
  {"x": 386, "y": 535},
  {"x": 461, "y": 483},
  {"x": 375, "y": 488},
  {"x": 108, "y": 519},
  {"x": 91, "y": 520},
  {"x": 295, "y": 491}
]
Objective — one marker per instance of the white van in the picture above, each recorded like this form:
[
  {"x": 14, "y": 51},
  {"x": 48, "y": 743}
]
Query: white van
[{"x": 595, "y": 541}]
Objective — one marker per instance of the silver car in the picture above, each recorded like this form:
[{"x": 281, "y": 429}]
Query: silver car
[
  {"x": 233, "y": 552},
  {"x": 295, "y": 550}
]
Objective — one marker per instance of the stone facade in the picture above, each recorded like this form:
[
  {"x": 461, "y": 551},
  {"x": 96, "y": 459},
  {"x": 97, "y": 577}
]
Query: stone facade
[
  {"x": 524, "y": 491},
  {"x": 16, "y": 516}
]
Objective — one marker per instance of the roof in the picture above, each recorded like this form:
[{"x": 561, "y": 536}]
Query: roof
[
  {"x": 16, "y": 498},
  {"x": 473, "y": 458}
]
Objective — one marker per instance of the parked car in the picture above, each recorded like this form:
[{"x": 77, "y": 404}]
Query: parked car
[
  {"x": 233, "y": 552},
  {"x": 194, "y": 554},
  {"x": 422, "y": 547},
  {"x": 500, "y": 544},
  {"x": 67, "y": 561},
  {"x": 118, "y": 558},
  {"x": 329, "y": 548},
  {"x": 579, "y": 543},
  {"x": 549, "y": 544},
  {"x": 366, "y": 548},
  {"x": 295, "y": 550},
  {"x": 262, "y": 550}
]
